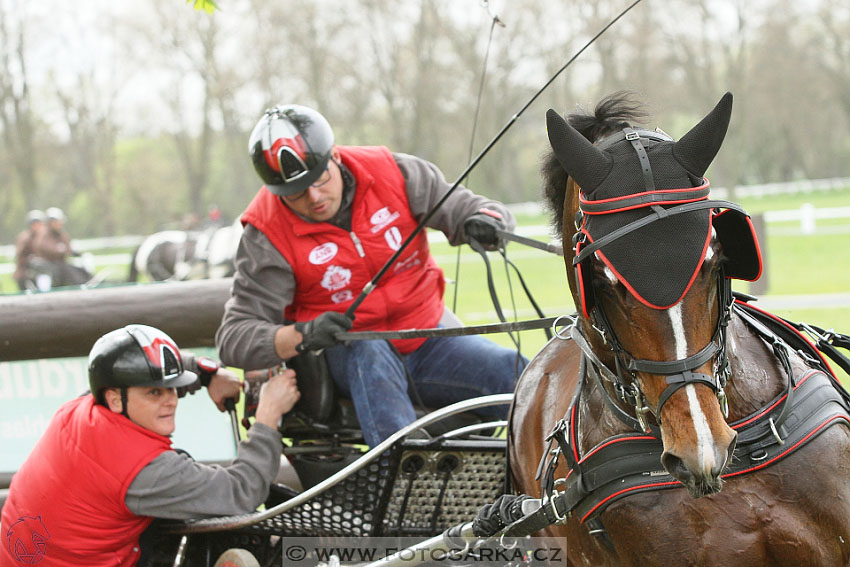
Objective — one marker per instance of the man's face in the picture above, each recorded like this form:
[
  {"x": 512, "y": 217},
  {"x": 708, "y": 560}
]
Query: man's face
[
  {"x": 321, "y": 201},
  {"x": 152, "y": 408}
]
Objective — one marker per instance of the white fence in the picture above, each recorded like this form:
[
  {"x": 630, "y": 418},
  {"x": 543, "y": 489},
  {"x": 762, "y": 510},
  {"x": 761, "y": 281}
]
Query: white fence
[{"x": 807, "y": 216}]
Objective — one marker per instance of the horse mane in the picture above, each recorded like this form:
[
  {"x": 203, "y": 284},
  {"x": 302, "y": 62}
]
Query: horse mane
[{"x": 613, "y": 113}]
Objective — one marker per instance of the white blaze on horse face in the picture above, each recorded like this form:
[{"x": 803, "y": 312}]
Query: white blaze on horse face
[
  {"x": 705, "y": 440},
  {"x": 679, "y": 338}
]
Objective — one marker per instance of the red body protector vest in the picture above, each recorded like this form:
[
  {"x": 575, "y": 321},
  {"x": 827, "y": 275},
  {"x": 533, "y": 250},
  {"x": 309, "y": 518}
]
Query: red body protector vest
[
  {"x": 66, "y": 503},
  {"x": 332, "y": 266}
]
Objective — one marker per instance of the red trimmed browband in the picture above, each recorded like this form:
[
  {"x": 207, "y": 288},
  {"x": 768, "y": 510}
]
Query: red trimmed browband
[{"x": 644, "y": 199}]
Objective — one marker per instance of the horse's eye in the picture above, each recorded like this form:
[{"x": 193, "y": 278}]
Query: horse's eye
[{"x": 610, "y": 276}]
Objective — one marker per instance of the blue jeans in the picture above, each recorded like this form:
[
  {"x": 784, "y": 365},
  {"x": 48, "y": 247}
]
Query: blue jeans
[{"x": 444, "y": 370}]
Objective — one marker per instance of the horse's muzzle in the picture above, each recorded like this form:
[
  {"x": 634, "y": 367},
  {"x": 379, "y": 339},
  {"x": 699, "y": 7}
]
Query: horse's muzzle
[{"x": 701, "y": 478}]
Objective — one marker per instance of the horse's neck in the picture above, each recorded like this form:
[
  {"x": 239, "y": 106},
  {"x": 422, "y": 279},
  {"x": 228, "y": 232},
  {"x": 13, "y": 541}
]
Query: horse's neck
[{"x": 756, "y": 376}]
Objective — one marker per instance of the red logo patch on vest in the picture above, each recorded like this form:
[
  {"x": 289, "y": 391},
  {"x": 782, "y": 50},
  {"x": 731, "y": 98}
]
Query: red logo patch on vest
[{"x": 27, "y": 540}]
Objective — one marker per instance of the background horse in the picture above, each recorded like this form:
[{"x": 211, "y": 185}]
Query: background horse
[
  {"x": 659, "y": 353},
  {"x": 187, "y": 255}
]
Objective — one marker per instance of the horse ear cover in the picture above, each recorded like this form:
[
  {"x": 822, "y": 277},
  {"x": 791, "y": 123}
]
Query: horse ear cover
[
  {"x": 697, "y": 149},
  {"x": 591, "y": 167},
  {"x": 583, "y": 161}
]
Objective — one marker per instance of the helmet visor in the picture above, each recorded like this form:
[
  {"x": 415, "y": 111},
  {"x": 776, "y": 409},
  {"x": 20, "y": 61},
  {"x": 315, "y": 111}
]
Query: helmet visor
[
  {"x": 164, "y": 360},
  {"x": 292, "y": 167}
]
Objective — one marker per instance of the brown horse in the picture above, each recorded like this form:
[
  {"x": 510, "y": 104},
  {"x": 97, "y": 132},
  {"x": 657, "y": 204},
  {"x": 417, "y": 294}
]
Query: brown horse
[{"x": 632, "y": 396}]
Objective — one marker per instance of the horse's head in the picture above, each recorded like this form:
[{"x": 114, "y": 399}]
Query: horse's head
[{"x": 648, "y": 271}]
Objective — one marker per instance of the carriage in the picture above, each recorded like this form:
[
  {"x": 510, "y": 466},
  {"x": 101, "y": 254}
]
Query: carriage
[{"x": 430, "y": 476}]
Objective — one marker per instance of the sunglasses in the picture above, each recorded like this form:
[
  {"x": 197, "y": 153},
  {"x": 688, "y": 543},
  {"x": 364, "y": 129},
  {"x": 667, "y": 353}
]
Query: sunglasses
[{"x": 322, "y": 180}]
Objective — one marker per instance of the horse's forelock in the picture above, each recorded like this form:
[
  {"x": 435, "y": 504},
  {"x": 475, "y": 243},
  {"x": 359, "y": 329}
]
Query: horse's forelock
[
  {"x": 613, "y": 113},
  {"x": 554, "y": 189}
]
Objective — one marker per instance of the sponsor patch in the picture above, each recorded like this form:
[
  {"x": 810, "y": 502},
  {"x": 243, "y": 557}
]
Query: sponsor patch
[
  {"x": 323, "y": 253},
  {"x": 393, "y": 237},
  {"x": 410, "y": 262},
  {"x": 27, "y": 539},
  {"x": 335, "y": 278},
  {"x": 382, "y": 218},
  {"x": 342, "y": 296}
]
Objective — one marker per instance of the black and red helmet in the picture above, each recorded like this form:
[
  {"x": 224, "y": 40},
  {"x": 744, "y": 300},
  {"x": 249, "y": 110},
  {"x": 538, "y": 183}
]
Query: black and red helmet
[
  {"x": 136, "y": 356},
  {"x": 290, "y": 147}
]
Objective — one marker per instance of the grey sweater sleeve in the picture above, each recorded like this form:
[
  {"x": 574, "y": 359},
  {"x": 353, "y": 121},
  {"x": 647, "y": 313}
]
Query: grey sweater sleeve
[
  {"x": 174, "y": 487},
  {"x": 426, "y": 185},
  {"x": 263, "y": 287}
]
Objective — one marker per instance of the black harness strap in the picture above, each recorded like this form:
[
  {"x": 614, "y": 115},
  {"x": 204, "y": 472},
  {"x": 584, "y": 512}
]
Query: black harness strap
[
  {"x": 633, "y": 136},
  {"x": 618, "y": 412},
  {"x": 781, "y": 350}
]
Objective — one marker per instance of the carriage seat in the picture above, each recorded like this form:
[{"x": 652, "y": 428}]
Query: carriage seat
[{"x": 323, "y": 409}]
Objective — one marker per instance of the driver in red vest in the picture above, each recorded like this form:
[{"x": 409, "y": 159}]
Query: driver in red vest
[
  {"x": 104, "y": 467},
  {"x": 326, "y": 220}
]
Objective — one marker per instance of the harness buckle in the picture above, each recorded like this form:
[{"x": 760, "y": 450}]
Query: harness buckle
[
  {"x": 632, "y": 136},
  {"x": 641, "y": 409},
  {"x": 559, "y": 519},
  {"x": 724, "y": 402},
  {"x": 773, "y": 430}
]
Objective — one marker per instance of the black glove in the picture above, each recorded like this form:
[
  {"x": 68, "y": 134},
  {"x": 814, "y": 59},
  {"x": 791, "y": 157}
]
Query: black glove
[
  {"x": 504, "y": 511},
  {"x": 319, "y": 333},
  {"x": 482, "y": 226}
]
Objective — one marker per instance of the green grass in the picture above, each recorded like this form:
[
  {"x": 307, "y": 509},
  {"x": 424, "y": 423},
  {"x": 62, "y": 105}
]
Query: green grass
[{"x": 820, "y": 199}]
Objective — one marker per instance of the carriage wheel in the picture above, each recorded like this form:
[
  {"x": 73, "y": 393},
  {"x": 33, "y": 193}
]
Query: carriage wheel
[{"x": 237, "y": 558}]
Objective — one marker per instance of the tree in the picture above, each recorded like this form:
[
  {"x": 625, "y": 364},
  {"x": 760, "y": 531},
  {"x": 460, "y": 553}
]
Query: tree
[{"x": 16, "y": 118}]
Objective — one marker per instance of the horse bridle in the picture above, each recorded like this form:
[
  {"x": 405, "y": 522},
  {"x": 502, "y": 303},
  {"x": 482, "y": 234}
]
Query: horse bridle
[{"x": 679, "y": 372}]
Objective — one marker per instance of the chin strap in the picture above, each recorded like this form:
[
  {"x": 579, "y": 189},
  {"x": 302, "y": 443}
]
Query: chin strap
[{"x": 124, "y": 403}]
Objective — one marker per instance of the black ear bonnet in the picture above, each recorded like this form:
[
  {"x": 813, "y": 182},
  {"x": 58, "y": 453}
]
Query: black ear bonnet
[{"x": 644, "y": 208}]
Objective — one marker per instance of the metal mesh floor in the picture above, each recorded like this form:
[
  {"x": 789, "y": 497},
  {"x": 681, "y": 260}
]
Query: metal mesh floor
[{"x": 412, "y": 490}]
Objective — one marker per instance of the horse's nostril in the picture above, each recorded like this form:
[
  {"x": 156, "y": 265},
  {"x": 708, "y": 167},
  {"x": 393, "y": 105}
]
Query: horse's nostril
[
  {"x": 675, "y": 467},
  {"x": 730, "y": 450}
]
